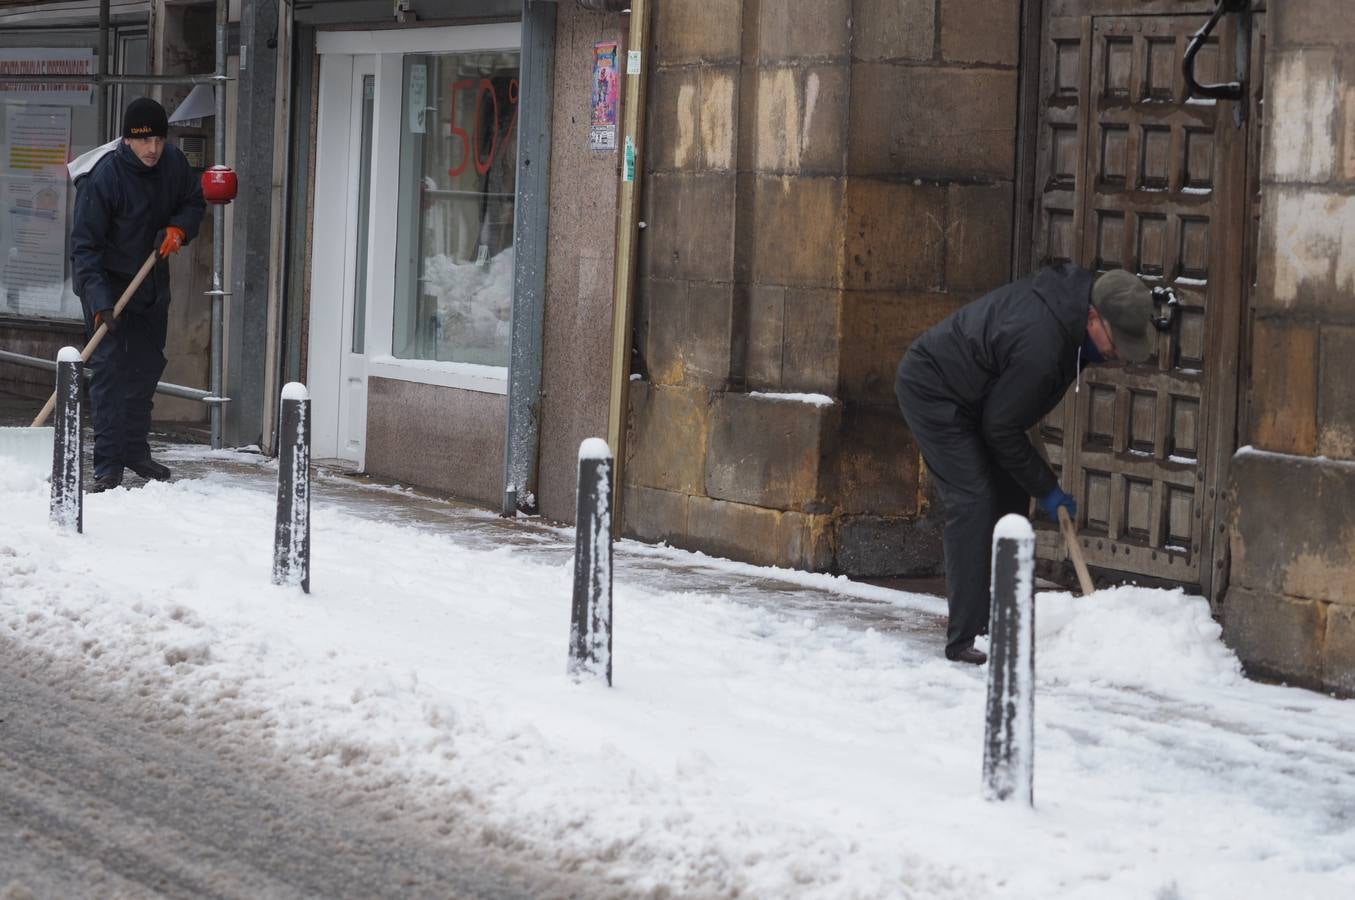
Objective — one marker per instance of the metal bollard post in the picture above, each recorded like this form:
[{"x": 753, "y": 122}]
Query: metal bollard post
[
  {"x": 1009, "y": 745},
  {"x": 590, "y": 630},
  {"x": 68, "y": 500},
  {"x": 292, "y": 536}
]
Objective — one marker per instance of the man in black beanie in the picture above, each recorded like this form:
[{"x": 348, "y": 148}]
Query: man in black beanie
[
  {"x": 973, "y": 386},
  {"x": 140, "y": 198}
]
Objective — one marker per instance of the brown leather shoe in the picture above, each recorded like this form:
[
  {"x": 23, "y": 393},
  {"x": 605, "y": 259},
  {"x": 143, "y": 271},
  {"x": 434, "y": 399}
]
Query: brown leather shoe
[{"x": 968, "y": 655}]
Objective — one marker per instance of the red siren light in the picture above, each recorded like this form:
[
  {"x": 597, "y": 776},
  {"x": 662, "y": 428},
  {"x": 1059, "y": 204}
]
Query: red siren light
[{"x": 219, "y": 184}]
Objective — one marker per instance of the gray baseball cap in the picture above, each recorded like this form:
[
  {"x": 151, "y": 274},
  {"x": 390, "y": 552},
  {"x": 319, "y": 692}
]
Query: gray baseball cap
[{"x": 1126, "y": 303}]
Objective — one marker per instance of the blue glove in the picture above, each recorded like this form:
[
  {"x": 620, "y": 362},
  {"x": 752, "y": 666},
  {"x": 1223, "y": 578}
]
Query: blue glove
[{"x": 1051, "y": 502}]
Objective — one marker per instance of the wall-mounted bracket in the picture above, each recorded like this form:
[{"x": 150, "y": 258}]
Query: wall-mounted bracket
[{"x": 1228, "y": 90}]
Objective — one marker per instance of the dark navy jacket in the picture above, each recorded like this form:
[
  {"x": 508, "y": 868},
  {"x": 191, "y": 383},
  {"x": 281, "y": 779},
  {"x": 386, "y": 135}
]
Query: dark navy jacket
[
  {"x": 119, "y": 208},
  {"x": 1006, "y": 360}
]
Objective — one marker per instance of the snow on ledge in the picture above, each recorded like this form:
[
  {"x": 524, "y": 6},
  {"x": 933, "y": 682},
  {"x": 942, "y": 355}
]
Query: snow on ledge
[
  {"x": 1249, "y": 450},
  {"x": 68, "y": 354},
  {"x": 814, "y": 399}
]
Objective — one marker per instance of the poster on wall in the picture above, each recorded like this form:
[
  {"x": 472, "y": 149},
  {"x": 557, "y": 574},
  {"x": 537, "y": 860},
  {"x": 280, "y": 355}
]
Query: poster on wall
[
  {"x": 55, "y": 62},
  {"x": 33, "y": 207},
  {"x": 606, "y": 97}
]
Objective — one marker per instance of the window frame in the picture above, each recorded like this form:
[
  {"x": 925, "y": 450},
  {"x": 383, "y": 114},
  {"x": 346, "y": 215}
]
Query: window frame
[{"x": 390, "y": 47}]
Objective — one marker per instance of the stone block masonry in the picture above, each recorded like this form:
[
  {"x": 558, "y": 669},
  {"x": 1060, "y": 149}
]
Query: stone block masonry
[
  {"x": 825, "y": 181},
  {"x": 1289, "y": 611}
]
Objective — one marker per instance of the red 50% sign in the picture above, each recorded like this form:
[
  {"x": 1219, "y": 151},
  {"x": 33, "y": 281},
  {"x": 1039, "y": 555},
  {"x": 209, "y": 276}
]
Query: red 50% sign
[{"x": 473, "y": 145}]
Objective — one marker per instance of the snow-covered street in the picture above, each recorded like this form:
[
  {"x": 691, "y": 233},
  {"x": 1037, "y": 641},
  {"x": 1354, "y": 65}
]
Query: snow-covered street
[{"x": 770, "y": 734}]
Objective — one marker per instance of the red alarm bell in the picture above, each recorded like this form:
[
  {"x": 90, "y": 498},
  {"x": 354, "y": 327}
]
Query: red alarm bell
[{"x": 219, "y": 184}]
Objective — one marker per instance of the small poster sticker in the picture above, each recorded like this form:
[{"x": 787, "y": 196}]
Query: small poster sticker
[
  {"x": 418, "y": 97},
  {"x": 606, "y": 96},
  {"x": 633, "y": 62},
  {"x": 629, "y": 174}
]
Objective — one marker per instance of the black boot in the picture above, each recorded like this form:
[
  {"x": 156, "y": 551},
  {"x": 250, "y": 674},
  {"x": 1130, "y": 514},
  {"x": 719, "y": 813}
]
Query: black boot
[
  {"x": 105, "y": 482},
  {"x": 149, "y": 469},
  {"x": 968, "y": 655}
]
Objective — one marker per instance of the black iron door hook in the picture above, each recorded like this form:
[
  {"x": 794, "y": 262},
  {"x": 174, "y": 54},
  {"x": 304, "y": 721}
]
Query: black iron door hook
[
  {"x": 1166, "y": 297},
  {"x": 1228, "y": 90}
]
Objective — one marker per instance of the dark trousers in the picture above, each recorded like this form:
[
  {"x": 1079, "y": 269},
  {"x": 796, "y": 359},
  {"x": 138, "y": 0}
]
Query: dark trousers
[
  {"x": 976, "y": 492},
  {"x": 127, "y": 366}
]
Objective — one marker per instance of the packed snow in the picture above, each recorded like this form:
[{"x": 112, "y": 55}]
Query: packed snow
[{"x": 745, "y": 750}]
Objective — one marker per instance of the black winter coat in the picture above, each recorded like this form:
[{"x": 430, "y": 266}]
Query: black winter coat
[
  {"x": 1005, "y": 360},
  {"x": 120, "y": 206}
]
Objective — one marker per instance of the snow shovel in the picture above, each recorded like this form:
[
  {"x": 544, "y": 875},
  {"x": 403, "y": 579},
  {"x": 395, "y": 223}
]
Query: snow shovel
[
  {"x": 1084, "y": 579},
  {"x": 33, "y": 445}
]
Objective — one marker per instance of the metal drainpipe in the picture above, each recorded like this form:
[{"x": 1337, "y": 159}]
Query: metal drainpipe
[
  {"x": 217, "y": 293},
  {"x": 627, "y": 236}
]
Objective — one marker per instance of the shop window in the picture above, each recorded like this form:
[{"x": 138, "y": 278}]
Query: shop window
[
  {"x": 454, "y": 240},
  {"x": 43, "y": 125},
  {"x": 131, "y": 60}
]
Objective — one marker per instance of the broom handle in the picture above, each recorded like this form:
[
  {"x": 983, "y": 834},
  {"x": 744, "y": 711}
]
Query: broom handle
[
  {"x": 1084, "y": 579},
  {"x": 98, "y": 337}
]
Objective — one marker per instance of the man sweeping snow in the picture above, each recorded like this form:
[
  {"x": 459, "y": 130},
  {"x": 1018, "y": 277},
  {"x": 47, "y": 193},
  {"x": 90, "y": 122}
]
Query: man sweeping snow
[
  {"x": 140, "y": 198},
  {"x": 972, "y": 387}
]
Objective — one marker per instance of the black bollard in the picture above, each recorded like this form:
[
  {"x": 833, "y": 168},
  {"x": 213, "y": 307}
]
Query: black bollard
[
  {"x": 590, "y": 630},
  {"x": 1009, "y": 746},
  {"x": 292, "y": 536},
  {"x": 68, "y": 500}
]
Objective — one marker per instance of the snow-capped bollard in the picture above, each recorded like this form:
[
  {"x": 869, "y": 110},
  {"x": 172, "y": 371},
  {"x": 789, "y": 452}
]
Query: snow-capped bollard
[
  {"x": 590, "y": 630},
  {"x": 68, "y": 500},
  {"x": 292, "y": 537},
  {"x": 1009, "y": 746}
]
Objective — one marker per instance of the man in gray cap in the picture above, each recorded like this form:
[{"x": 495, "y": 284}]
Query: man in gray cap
[{"x": 973, "y": 386}]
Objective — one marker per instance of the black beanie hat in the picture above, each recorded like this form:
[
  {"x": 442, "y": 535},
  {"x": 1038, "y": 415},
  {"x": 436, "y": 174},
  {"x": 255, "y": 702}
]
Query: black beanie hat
[{"x": 144, "y": 118}]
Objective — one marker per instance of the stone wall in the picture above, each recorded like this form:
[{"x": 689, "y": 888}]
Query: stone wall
[
  {"x": 438, "y": 437},
  {"x": 42, "y": 340},
  {"x": 825, "y": 179},
  {"x": 577, "y": 344},
  {"x": 1290, "y": 607}
]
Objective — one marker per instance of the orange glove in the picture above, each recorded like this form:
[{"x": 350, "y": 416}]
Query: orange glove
[{"x": 174, "y": 238}]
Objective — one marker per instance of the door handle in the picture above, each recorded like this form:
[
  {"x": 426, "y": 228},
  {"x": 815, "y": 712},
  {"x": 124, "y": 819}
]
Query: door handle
[
  {"x": 1167, "y": 298},
  {"x": 1228, "y": 90}
]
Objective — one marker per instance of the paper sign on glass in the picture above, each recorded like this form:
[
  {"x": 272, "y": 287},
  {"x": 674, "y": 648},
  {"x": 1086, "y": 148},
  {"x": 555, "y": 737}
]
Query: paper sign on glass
[{"x": 418, "y": 97}]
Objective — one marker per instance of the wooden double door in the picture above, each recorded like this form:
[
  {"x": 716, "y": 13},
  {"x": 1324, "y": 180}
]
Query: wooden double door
[{"x": 1132, "y": 173}]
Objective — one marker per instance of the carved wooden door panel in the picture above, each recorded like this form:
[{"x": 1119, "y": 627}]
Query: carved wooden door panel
[{"x": 1131, "y": 174}]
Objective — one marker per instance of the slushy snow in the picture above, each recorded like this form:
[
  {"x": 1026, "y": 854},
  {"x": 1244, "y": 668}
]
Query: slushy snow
[{"x": 746, "y": 750}]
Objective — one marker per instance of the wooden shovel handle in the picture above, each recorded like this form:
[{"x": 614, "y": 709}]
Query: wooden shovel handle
[
  {"x": 98, "y": 337},
  {"x": 1075, "y": 551}
]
